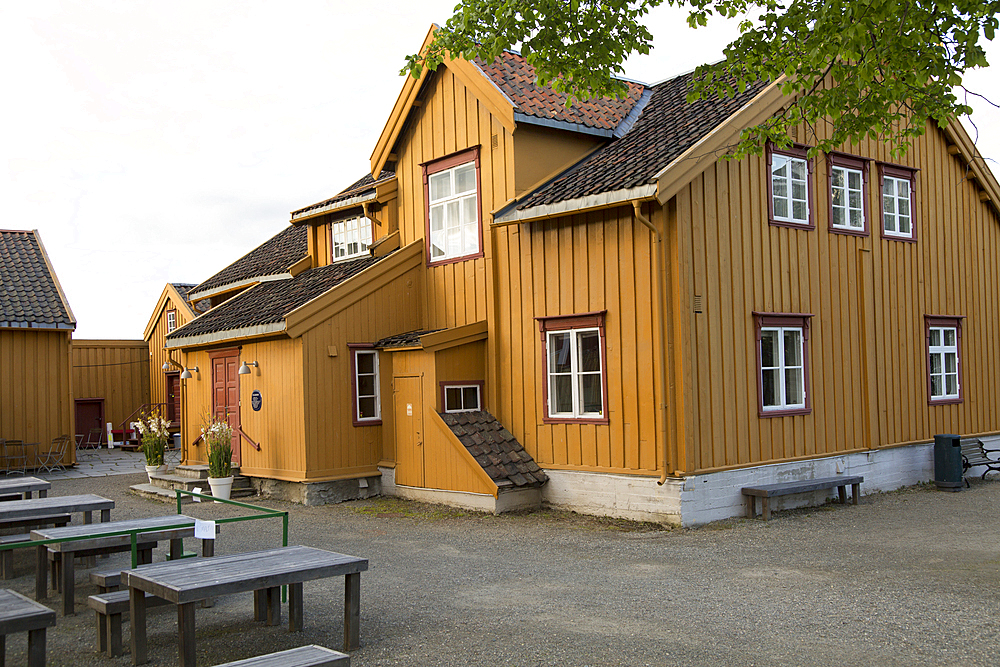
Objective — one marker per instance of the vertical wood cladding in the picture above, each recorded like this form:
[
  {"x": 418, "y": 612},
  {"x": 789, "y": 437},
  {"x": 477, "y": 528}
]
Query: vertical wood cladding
[
  {"x": 157, "y": 353},
  {"x": 115, "y": 370},
  {"x": 36, "y": 395}
]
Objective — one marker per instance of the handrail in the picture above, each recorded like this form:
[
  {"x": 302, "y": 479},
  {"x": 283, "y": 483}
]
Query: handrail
[
  {"x": 135, "y": 412},
  {"x": 239, "y": 432}
]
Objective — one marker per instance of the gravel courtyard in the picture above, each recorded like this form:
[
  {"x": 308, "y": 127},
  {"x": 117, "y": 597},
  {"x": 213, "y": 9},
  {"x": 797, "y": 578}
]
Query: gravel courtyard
[{"x": 906, "y": 578}]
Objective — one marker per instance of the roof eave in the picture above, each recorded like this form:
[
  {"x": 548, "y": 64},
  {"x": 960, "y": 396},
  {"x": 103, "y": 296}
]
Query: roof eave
[
  {"x": 254, "y": 331},
  {"x": 351, "y": 202},
  {"x": 229, "y": 287},
  {"x": 577, "y": 205}
]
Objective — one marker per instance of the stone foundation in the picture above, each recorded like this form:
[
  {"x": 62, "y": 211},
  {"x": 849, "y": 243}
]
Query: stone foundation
[{"x": 318, "y": 493}]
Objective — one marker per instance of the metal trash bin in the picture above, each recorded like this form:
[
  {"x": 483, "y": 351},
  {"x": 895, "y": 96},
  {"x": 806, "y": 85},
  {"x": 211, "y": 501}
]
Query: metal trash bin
[{"x": 948, "y": 462}]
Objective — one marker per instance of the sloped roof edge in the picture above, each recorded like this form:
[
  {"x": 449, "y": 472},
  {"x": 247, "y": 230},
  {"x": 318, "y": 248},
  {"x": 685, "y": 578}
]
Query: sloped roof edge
[
  {"x": 168, "y": 291},
  {"x": 229, "y": 287},
  {"x": 511, "y": 215},
  {"x": 231, "y": 334},
  {"x": 55, "y": 278}
]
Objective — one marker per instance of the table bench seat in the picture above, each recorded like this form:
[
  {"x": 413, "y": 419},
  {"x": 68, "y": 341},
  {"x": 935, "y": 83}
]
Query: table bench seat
[
  {"x": 304, "y": 656},
  {"x": 7, "y": 557},
  {"x": 767, "y": 491},
  {"x": 19, "y": 614},
  {"x": 108, "y": 608},
  {"x": 975, "y": 454}
]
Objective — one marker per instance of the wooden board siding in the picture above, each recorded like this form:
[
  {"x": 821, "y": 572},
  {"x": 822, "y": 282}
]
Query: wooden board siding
[
  {"x": 542, "y": 152},
  {"x": 334, "y": 447},
  {"x": 451, "y": 120},
  {"x": 868, "y": 296},
  {"x": 36, "y": 396},
  {"x": 457, "y": 365},
  {"x": 115, "y": 370},
  {"x": 583, "y": 263},
  {"x": 157, "y": 354}
]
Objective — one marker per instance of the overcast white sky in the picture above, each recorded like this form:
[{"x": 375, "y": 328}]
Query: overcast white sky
[{"x": 157, "y": 142}]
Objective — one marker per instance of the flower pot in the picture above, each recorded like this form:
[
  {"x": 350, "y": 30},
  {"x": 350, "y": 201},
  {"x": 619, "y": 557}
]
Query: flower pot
[
  {"x": 151, "y": 469},
  {"x": 221, "y": 486}
]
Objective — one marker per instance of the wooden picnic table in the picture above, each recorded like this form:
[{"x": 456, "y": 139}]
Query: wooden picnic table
[
  {"x": 86, "y": 504},
  {"x": 19, "y": 614},
  {"x": 155, "y": 529},
  {"x": 24, "y": 486},
  {"x": 185, "y": 583}
]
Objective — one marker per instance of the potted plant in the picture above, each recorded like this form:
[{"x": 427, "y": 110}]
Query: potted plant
[
  {"x": 153, "y": 428},
  {"x": 218, "y": 435}
]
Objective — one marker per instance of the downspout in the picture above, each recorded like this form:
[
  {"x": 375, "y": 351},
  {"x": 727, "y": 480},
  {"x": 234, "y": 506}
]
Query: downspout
[{"x": 662, "y": 312}]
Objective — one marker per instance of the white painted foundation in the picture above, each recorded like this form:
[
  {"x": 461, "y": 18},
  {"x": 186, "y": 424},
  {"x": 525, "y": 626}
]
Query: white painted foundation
[
  {"x": 700, "y": 499},
  {"x": 506, "y": 501}
]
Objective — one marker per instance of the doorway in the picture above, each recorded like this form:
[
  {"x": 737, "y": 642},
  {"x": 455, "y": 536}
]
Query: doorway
[
  {"x": 226, "y": 393},
  {"x": 408, "y": 412},
  {"x": 174, "y": 398},
  {"x": 89, "y": 415}
]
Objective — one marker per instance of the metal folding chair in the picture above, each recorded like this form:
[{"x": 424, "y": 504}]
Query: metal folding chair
[
  {"x": 53, "y": 458},
  {"x": 15, "y": 458},
  {"x": 94, "y": 438}
]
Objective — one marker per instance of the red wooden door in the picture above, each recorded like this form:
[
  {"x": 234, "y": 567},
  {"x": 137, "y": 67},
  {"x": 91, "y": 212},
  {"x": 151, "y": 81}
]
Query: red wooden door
[
  {"x": 226, "y": 393},
  {"x": 89, "y": 414},
  {"x": 174, "y": 397}
]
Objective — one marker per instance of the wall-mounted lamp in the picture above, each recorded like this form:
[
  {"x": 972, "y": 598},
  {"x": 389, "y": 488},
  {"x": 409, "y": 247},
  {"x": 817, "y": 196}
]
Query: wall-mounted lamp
[
  {"x": 245, "y": 368},
  {"x": 186, "y": 375},
  {"x": 166, "y": 366}
]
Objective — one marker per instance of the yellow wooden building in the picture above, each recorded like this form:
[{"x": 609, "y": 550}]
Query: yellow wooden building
[
  {"x": 36, "y": 327},
  {"x": 588, "y": 307},
  {"x": 110, "y": 386}
]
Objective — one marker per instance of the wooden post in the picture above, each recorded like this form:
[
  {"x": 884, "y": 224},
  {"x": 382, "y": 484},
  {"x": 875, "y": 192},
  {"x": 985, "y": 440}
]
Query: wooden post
[
  {"x": 68, "y": 582},
  {"x": 273, "y": 600},
  {"x": 41, "y": 572},
  {"x": 295, "y": 607},
  {"x": 185, "y": 634},
  {"x": 36, "y": 648},
  {"x": 352, "y": 611},
  {"x": 137, "y": 619}
]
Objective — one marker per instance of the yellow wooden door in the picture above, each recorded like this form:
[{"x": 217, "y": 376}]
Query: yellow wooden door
[{"x": 408, "y": 410}]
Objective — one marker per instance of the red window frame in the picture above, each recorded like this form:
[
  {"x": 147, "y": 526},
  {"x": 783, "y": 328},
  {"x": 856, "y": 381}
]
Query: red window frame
[
  {"x": 796, "y": 151},
  {"x": 949, "y": 321},
  {"x": 591, "y": 320},
  {"x": 847, "y": 161},
  {"x": 437, "y": 166},
  {"x": 354, "y": 348},
  {"x": 443, "y": 384},
  {"x": 799, "y": 320},
  {"x": 903, "y": 173}
]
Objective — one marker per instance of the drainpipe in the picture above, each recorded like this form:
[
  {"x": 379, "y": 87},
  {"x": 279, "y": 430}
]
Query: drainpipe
[{"x": 662, "y": 311}]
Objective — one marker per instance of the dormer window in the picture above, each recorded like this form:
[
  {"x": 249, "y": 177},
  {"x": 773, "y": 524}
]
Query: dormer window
[
  {"x": 451, "y": 187},
  {"x": 351, "y": 238}
]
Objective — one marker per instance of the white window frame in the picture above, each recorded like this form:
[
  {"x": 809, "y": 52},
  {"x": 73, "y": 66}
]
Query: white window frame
[
  {"x": 941, "y": 351},
  {"x": 463, "y": 387},
  {"x": 171, "y": 320},
  {"x": 343, "y": 233},
  {"x": 575, "y": 374},
  {"x": 357, "y": 387},
  {"x": 778, "y": 161},
  {"x": 468, "y": 229},
  {"x": 846, "y": 190},
  {"x": 895, "y": 198},
  {"x": 782, "y": 369}
]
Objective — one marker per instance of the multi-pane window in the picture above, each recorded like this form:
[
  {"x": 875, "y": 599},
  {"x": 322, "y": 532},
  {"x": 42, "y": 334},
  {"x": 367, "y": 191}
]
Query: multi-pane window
[
  {"x": 366, "y": 387},
  {"x": 171, "y": 320},
  {"x": 847, "y": 199},
  {"x": 462, "y": 398},
  {"x": 790, "y": 188},
  {"x": 453, "y": 208},
  {"x": 575, "y": 368},
  {"x": 351, "y": 238},
  {"x": 783, "y": 363},
  {"x": 897, "y": 202},
  {"x": 943, "y": 360}
]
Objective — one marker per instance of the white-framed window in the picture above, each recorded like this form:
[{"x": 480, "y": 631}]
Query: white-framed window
[
  {"x": 367, "y": 403},
  {"x": 351, "y": 238},
  {"x": 789, "y": 187},
  {"x": 782, "y": 363},
  {"x": 898, "y": 186},
  {"x": 944, "y": 382},
  {"x": 171, "y": 320},
  {"x": 576, "y": 375},
  {"x": 452, "y": 188},
  {"x": 847, "y": 198},
  {"x": 462, "y": 398}
]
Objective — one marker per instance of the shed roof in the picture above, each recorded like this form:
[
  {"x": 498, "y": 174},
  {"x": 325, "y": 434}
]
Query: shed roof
[
  {"x": 365, "y": 184},
  {"x": 407, "y": 339},
  {"x": 269, "y": 259},
  {"x": 30, "y": 294},
  {"x": 667, "y": 126},
  {"x": 495, "y": 449},
  {"x": 262, "y": 308}
]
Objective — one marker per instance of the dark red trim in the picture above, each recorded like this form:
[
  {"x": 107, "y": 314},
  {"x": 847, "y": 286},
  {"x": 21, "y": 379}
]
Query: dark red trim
[
  {"x": 904, "y": 173},
  {"x": 354, "y": 348},
  {"x": 954, "y": 321},
  {"x": 847, "y": 161},
  {"x": 460, "y": 383},
  {"x": 797, "y": 151},
  {"x": 801, "y": 320},
  {"x": 591, "y": 320},
  {"x": 436, "y": 166}
]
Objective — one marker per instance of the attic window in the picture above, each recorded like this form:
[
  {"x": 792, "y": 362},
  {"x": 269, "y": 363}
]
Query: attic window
[
  {"x": 452, "y": 193},
  {"x": 171, "y": 320},
  {"x": 350, "y": 238}
]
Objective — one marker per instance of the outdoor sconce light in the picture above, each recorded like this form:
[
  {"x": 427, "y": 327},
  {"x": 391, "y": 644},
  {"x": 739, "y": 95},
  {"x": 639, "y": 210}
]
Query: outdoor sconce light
[
  {"x": 186, "y": 375},
  {"x": 245, "y": 368},
  {"x": 166, "y": 366}
]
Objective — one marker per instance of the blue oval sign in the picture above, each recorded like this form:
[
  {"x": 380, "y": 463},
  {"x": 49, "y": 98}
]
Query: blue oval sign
[{"x": 256, "y": 400}]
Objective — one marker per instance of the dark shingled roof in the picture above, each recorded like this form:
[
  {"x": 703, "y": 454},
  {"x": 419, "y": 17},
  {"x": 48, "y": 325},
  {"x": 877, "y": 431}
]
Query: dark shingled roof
[
  {"x": 272, "y": 257},
  {"x": 269, "y": 302},
  {"x": 29, "y": 296},
  {"x": 667, "y": 126},
  {"x": 516, "y": 78},
  {"x": 364, "y": 184},
  {"x": 184, "y": 288},
  {"x": 495, "y": 449},
  {"x": 408, "y": 339}
]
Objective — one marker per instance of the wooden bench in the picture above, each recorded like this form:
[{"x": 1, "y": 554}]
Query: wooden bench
[
  {"x": 7, "y": 557},
  {"x": 109, "y": 608},
  {"x": 975, "y": 454},
  {"x": 304, "y": 656},
  {"x": 767, "y": 491},
  {"x": 19, "y": 614}
]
